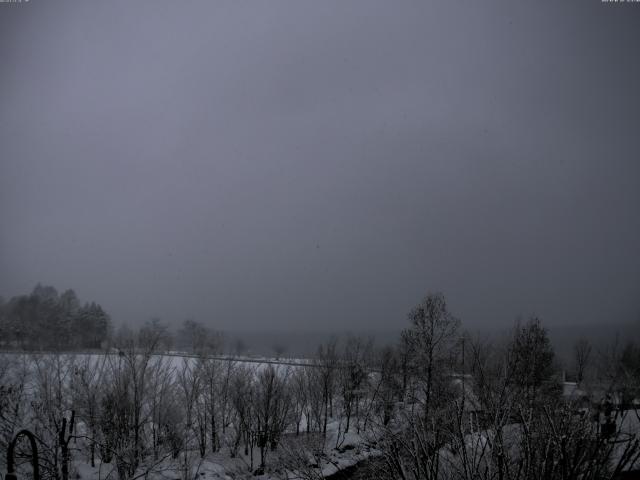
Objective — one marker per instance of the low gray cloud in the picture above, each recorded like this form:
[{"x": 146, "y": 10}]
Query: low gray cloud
[{"x": 323, "y": 164}]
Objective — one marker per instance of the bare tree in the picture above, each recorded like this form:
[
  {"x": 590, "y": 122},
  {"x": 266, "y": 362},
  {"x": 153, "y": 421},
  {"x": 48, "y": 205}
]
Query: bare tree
[
  {"x": 88, "y": 378},
  {"x": 433, "y": 337},
  {"x": 582, "y": 358},
  {"x": 239, "y": 347},
  {"x": 352, "y": 376},
  {"x": 189, "y": 388},
  {"x": 198, "y": 338},
  {"x": 227, "y": 374},
  {"x": 212, "y": 372},
  {"x": 299, "y": 393},
  {"x": 242, "y": 399},
  {"x": 51, "y": 406},
  {"x": 533, "y": 365},
  {"x": 316, "y": 395},
  {"x": 413, "y": 439},
  {"x": 272, "y": 405},
  {"x": 161, "y": 391},
  {"x": 279, "y": 350},
  {"x": 327, "y": 363},
  {"x": 126, "y": 409},
  {"x": 388, "y": 389}
]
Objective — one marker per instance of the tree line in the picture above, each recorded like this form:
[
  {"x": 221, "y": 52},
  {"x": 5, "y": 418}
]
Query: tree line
[
  {"x": 46, "y": 320},
  {"x": 439, "y": 404}
]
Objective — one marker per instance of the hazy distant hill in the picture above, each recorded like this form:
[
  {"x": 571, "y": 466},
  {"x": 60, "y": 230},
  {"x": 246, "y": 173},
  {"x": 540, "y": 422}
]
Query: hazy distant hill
[
  {"x": 298, "y": 343},
  {"x": 600, "y": 336}
]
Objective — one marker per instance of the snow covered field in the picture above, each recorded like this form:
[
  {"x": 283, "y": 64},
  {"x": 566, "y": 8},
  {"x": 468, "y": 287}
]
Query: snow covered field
[{"x": 42, "y": 373}]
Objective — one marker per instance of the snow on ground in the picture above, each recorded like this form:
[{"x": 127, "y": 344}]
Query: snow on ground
[{"x": 220, "y": 466}]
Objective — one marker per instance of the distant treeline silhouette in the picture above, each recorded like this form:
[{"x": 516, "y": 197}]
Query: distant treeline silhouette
[{"x": 46, "y": 320}]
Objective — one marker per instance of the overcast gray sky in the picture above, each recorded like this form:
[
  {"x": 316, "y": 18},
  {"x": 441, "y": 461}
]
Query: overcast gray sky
[{"x": 322, "y": 165}]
